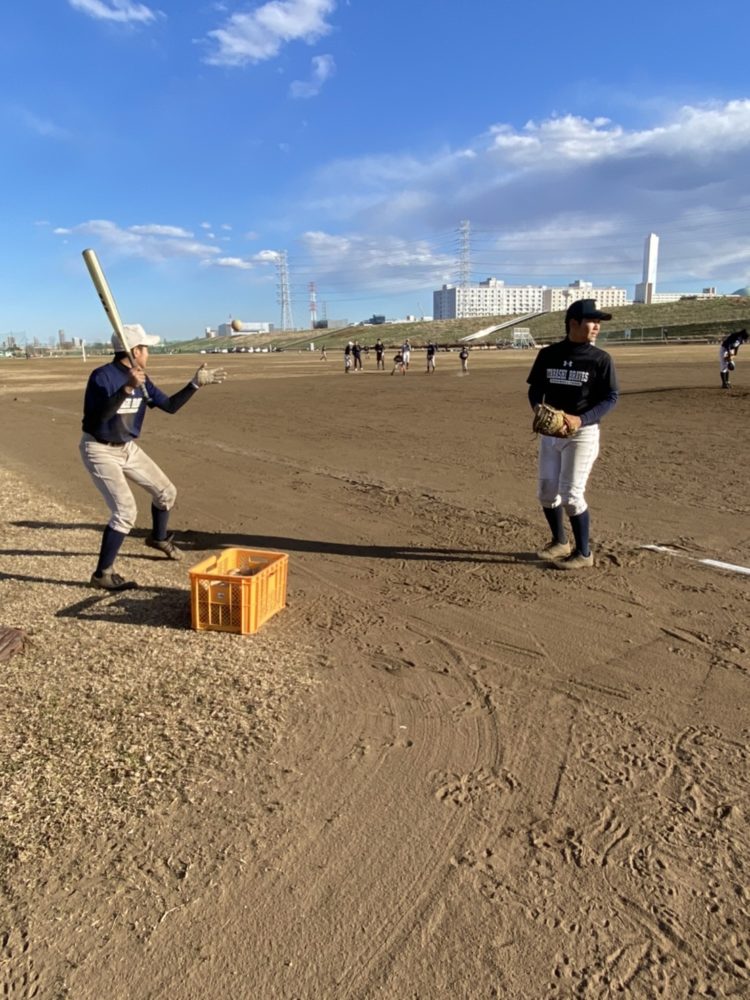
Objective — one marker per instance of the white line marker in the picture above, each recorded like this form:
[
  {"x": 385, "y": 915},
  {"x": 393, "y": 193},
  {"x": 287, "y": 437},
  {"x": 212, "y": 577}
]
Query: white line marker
[{"x": 706, "y": 562}]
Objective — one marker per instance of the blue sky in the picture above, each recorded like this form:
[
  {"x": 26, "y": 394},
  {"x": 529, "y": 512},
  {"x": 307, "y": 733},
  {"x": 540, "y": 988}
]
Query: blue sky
[{"x": 189, "y": 143}]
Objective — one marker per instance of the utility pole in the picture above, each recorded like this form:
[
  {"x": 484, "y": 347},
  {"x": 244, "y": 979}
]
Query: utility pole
[
  {"x": 284, "y": 297},
  {"x": 464, "y": 268},
  {"x": 464, "y": 258}
]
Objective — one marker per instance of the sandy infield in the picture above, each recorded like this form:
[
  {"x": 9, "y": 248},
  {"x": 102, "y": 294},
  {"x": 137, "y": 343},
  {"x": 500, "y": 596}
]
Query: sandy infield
[{"x": 444, "y": 770}]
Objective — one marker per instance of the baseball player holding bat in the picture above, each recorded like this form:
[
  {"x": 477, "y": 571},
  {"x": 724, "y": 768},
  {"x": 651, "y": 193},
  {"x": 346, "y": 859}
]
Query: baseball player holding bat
[
  {"x": 728, "y": 352},
  {"x": 577, "y": 379},
  {"x": 114, "y": 406}
]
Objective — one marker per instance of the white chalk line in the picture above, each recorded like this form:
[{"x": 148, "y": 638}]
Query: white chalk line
[{"x": 715, "y": 563}]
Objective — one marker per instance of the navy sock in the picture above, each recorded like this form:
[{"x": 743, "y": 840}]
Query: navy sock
[
  {"x": 580, "y": 525},
  {"x": 554, "y": 517},
  {"x": 159, "y": 519},
  {"x": 111, "y": 542}
]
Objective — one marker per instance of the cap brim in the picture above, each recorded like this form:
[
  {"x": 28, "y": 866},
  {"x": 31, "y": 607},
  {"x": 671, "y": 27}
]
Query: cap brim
[
  {"x": 148, "y": 341},
  {"x": 597, "y": 314}
]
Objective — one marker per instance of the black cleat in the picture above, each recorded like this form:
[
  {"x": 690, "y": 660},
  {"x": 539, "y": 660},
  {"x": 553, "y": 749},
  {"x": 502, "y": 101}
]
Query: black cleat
[
  {"x": 109, "y": 580},
  {"x": 165, "y": 545}
]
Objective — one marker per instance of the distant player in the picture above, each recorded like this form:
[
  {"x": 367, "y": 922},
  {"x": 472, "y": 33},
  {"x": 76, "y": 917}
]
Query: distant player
[
  {"x": 357, "y": 355},
  {"x": 379, "y": 355},
  {"x": 728, "y": 352},
  {"x": 113, "y": 411},
  {"x": 464, "y": 357},
  {"x": 575, "y": 376},
  {"x": 406, "y": 352},
  {"x": 398, "y": 363},
  {"x": 431, "y": 352}
]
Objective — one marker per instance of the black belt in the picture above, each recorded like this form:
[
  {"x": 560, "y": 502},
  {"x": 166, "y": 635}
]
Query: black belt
[{"x": 112, "y": 444}]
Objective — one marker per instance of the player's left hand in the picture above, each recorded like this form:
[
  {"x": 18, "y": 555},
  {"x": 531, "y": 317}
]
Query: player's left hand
[
  {"x": 572, "y": 422},
  {"x": 209, "y": 376}
]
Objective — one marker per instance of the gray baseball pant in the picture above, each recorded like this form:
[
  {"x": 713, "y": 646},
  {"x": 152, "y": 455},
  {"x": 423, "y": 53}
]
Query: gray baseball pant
[{"x": 113, "y": 468}]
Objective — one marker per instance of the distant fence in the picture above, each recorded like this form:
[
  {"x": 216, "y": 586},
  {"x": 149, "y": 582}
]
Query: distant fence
[
  {"x": 710, "y": 333},
  {"x": 702, "y": 333}
]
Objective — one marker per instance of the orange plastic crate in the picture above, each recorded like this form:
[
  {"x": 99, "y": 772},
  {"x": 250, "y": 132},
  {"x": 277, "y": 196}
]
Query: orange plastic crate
[{"x": 238, "y": 590}]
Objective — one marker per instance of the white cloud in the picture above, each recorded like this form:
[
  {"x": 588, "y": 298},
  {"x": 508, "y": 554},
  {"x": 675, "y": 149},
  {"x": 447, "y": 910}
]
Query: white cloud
[
  {"x": 150, "y": 242},
  {"x": 259, "y": 35},
  {"x": 321, "y": 69},
  {"x": 570, "y": 139},
  {"x": 157, "y": 230},
  {"x": 396, "y": 263},
  {"x": 122, "y": 11},
  {"x": 564, "y": 197},
  {"x": 233, "y": 262},
  {"x": 267, "y": 256}
]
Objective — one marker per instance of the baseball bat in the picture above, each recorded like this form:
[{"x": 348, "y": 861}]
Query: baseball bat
[{"x": 109, "y": 305}]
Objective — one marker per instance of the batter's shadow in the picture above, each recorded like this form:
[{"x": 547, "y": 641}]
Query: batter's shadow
[
  {"x": 201, "y": 542},
  {"x": 207, "y": 541},
  {"x": 167, "y": 607}
]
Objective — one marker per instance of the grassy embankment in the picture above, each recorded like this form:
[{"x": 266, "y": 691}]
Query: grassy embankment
[{"x": 689, "y": 319}]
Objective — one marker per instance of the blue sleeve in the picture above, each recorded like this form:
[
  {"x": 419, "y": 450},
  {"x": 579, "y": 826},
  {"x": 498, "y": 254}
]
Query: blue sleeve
[
  {"x": 610, "y": 395},
  {"x": 595, "y": 414},
  {"x": 170, "y": 404}
]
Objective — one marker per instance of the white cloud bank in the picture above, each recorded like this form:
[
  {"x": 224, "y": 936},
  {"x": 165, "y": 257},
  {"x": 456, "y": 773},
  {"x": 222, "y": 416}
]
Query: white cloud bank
[
  {"x": 558, "y": 199},
  {"x": 564, "y": 196},
  {"x": 122, "y": 11},
  {"x": 259, "y": 35}
]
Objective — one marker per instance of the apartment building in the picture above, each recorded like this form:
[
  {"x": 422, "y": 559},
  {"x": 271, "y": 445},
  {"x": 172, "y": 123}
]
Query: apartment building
[
  {"x": 557, "y": 299},
  {"x": 494, "y": 298}
]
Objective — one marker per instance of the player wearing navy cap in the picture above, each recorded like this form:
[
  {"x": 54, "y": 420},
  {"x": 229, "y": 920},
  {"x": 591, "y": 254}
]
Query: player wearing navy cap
[
  {"x": 113, "y": 410},
  {"x": 578, "y": 378}
]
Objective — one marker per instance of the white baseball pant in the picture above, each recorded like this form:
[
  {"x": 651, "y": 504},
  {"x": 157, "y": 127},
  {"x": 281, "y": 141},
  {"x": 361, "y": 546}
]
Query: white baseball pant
[
  {"x": 565, "y": 465},
  {"x": 112, "y": 468}
]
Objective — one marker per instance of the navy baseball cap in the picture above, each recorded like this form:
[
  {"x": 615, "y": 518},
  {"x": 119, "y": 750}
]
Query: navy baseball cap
[{"x": 585, "y": 309}]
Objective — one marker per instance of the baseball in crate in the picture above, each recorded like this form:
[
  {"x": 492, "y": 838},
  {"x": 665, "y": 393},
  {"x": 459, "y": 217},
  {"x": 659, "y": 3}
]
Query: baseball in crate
[{"x": 572, "y": 386}]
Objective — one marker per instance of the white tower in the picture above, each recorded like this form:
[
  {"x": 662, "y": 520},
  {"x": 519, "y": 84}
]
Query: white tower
[
  {"x": 313, "y": 305},
  {"x": 644, "y": 291}
]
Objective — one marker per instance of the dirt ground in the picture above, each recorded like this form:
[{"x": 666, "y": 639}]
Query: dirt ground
[{"x": 445, "y": 769}]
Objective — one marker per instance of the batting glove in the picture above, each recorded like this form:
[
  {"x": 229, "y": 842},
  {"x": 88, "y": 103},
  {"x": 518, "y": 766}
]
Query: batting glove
[{"x": 208, "y": 376}]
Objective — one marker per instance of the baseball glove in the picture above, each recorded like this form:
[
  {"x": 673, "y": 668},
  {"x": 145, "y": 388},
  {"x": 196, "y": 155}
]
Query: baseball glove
[
  {"x": 208, "y": 376},
  {"x": 549, "y": 421},
  {"x": 731, "y": 365}
]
